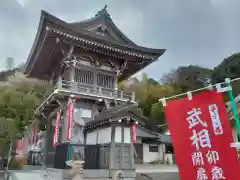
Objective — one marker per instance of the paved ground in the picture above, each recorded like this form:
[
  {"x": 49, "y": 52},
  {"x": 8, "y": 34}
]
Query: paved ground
[
  {"x": 158, "y": 176},
  {"x": 148, "y": 172},
  {"x": 153, "y": 168},
  {"x": 1, "y": 175},
  {"x": 157, "y": 172}
]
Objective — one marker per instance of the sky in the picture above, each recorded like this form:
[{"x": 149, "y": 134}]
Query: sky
[{"x": 196, "y": 32}]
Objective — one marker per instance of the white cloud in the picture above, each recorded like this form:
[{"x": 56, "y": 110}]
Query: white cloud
[
  {"x": 193, "y": 33},
  {"x": 23, "y": 3},
  {"x": 133, "y": 26},
  {"x": 218, "y": 2}
]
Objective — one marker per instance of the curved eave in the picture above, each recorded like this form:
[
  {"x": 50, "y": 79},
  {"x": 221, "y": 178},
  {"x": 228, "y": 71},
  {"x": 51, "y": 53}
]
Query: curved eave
[
  {"x": 35, "y": 44},
  {"x": 128, "y": 72},
  {"x": 86, "y": 36},
  {"x": 129, "y": 44},
  {"x": 94, "y": 37},
  {"x": 45, "y": 18}
]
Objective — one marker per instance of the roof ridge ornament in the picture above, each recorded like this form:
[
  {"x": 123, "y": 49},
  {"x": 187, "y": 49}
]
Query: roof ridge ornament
[
  {"x": 103, "y": 12},
  {"x": 105, "y": 7}
]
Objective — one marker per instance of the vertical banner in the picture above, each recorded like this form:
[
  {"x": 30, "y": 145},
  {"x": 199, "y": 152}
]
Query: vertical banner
[
  {"x": 36, "y": 134},
  {"x": 134, "y": 136},
  {"x": 70, "y": 114},
  {"x": 201, "y": 136},
  {"x": 56, "y": 130}
]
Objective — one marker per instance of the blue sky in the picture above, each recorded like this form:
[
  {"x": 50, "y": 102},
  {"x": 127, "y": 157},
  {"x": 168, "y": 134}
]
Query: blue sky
[{"x": 198, "y": 32}]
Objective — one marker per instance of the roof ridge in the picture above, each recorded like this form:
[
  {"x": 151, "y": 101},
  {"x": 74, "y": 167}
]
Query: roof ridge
[{"x": 103, "y": 12}]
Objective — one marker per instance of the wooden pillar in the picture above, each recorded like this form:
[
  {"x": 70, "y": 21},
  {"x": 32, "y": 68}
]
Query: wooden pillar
[
  {"x": 115, "y": 85},
  {"x": 122, "y": 149},
  {"x": 132, "y": 163},
  {"x": 49, "y": 141},
  {"x": 112, "y": 148},
  {"x": 95, "y": 73},
  {"x": 46, "y": 145},
  {"x": 64, "y": 122},
  {"x": 59, "y": 82},
  {"x": 133, "y": 96},
  {"x": 72, "y": 78}
]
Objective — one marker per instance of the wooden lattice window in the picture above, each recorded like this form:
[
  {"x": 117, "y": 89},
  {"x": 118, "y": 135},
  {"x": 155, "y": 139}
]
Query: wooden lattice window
[
  {"x": 105, "y": 81},
  {"x": 84, "y": 76}
]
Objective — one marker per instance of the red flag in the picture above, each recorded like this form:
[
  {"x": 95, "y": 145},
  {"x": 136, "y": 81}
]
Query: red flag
[
  {"x": 201, "y": 136},
  {"x": 70, "y": 113},
  {"x": 134, "y": 138},
  {"x": 56, "y": 130}
]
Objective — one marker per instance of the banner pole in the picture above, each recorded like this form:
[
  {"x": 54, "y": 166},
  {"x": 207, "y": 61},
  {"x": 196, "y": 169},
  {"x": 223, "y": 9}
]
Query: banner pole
[
  {"x": 9, "y": 155},
  {"x": 197, "y": 90},
  {"x": 233, "y": 105}
]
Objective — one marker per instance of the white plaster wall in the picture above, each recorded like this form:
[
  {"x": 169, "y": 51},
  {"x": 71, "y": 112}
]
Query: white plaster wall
[
  {"x": 91, "y": 138},
  {"x": 104, "y": 135},
  {"x": 100, "y": 136},
  {"x": 150, "y": 156},
  {"x": 118, "y": 136},
  {"x": 127, "y": 135}
]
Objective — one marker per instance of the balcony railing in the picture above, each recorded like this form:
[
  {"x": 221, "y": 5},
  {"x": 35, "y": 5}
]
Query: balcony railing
[{"x": 91, "y": 90}]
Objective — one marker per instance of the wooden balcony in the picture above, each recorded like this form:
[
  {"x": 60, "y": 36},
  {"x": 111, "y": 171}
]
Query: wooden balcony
[{"x": 94, "y": 91}]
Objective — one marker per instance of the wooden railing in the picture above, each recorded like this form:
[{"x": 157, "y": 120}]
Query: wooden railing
[{"x": 91, "y": 90}]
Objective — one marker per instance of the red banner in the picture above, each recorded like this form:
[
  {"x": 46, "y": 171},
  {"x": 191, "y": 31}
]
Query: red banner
[
  {"x": 134, "y": 137},
  {"x": 70, "y": 114},
  {"x": 56, "y": 130},
  {"x": 201, "y": 136}
]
